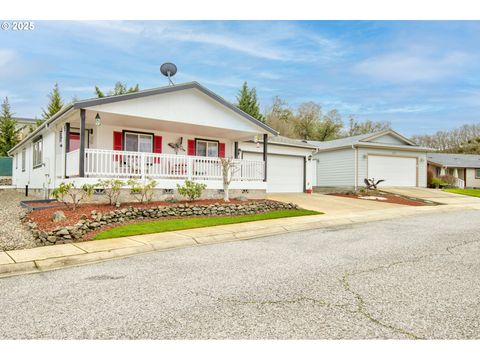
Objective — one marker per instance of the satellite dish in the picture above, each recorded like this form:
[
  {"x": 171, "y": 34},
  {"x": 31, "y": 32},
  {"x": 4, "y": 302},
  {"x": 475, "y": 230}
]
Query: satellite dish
[{"x": 168, "y": 69}]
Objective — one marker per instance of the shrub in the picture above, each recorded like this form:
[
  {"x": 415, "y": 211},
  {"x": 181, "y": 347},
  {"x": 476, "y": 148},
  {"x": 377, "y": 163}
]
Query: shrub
[
  {"x": 438, "y": 182},
  {"x": 70, "y": 195},
  {"x": 112, "y": 189},
  {"x": 191, "y": 189},
  {"x": 448, "y": 180},
  {"x": 143, "y": 192}
]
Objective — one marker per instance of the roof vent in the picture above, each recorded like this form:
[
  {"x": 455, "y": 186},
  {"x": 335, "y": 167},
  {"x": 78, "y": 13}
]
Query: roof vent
[{"x": 168, "y": 69}]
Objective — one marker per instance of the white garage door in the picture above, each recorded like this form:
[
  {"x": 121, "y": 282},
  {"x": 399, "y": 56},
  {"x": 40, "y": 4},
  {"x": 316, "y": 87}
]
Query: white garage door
[
  {"x": 396, "y": 171},
  {"x": 284, "y": 173}
]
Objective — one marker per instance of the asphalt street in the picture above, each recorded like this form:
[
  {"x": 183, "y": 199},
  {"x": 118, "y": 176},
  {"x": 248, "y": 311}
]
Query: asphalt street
[{"x": 411, "y": 278}]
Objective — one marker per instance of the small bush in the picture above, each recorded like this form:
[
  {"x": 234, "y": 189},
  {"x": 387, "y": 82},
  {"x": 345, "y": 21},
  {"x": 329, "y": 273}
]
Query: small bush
[
  {"x": 72, "y": 196},
  {"x": 430, "y": 176},
  {"x": 112, "y": 189},
  {"x": 437, "y": 183},
  {"x": 143, "y": 192},
  {"x": 191, "y": 189}
]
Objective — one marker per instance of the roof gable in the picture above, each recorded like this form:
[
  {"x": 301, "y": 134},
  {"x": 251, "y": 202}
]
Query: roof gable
[
  {"x": 388, "y": 137},
  {"x": 153, "y": 104}
]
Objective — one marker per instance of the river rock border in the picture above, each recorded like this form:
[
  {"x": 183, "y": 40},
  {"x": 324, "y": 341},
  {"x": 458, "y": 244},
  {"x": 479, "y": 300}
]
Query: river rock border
[{"x": 74, "y": 233}]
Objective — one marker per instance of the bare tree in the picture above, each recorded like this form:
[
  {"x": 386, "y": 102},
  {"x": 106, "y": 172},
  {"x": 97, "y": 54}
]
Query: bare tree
[
  {"x": 229, "y": 167},
  {"x": 356, "y": 127},
  {"x": 280, "y": 117}
]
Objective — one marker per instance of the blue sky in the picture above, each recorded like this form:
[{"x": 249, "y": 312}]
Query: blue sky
[{"x": 421, "y": 76}]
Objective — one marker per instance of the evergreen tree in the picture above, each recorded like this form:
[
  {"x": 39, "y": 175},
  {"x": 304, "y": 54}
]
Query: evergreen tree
[
  {"x": 247, "y": 101},
  {"x": 119, "y": 89},
  {"x": 54, "y": 105},
  {"x": 8, "y": 129}
]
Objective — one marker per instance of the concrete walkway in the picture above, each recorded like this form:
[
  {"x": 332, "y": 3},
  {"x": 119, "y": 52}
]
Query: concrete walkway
[
  {"x": 330, "y": 204},
  {"x": 60, "y": 256}
]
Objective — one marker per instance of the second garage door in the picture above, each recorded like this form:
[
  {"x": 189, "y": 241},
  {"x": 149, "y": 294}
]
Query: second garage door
[
  {"x": 396, "y": 171},
  {"x": 284, "y": 173}
]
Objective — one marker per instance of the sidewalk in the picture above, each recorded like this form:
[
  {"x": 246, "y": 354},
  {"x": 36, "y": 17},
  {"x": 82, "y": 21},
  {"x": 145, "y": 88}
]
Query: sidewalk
[{"x": 60, "y": 256}]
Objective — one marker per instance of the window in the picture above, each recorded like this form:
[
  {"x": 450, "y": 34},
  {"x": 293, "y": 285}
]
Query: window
[
  {"x": 37, "y": 153},
  {"x": 138, "y": 142},
  {"x": 16, "y": 160},
  {"x": 477, "y": 173},
  {"x": 206, "y": 148},
  {"x": 24, "y": 155}
]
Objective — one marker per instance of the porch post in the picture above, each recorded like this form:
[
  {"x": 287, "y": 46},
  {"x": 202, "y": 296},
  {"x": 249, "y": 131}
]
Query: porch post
[
  {"x": 265, "y": 150},
  {"x": 235, "y": 150},
  {"x": 66, "y": 148},
  {"x": 81, "y": 169}
]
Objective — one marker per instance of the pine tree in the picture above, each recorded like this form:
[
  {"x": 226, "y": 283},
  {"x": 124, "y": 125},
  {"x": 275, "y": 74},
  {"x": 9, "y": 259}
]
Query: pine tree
[
  {"x": 8, "y": 129},
  {"x": 119, "y": 89},
  {"x": 247, "y": 101},
  {"x": 54, "y": 105}
]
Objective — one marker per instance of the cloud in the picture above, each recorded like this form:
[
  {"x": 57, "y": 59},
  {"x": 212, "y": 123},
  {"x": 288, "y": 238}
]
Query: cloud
[
  {"x": 403, "y": 67},
  {"x": 277, "y": 41}
]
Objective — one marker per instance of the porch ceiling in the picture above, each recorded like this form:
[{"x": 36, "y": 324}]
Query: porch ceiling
[{"x": 129, "y": 122}]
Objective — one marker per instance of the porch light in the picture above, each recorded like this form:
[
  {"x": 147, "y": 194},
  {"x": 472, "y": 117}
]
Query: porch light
[{"x": 98, "y": 120}]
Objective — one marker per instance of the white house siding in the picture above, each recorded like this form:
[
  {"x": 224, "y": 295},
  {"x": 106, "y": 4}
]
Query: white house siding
[
  {"x": 471, "y": 181},
  {"x": 35, "y": 178},
  {"x": 187, "y": 106},
  {"x": 388, "y": 139},
  {"x": 336, "y": 168},
  {"x": 363, "y": 162},
  {"x": 275, "y": 149}
]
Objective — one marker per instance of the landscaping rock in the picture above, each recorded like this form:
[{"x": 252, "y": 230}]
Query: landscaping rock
[{"x": 58, "y": 216}]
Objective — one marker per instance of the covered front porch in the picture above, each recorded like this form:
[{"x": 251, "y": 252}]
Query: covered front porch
[{"x": 97, "y": 145}]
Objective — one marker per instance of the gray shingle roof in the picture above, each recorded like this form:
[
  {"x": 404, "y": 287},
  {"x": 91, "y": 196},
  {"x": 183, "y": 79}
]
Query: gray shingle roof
[
  {"x": 292, "y": 142},
  {"x": 348, "y": 141},
  {"x": 455, "y": 160}
]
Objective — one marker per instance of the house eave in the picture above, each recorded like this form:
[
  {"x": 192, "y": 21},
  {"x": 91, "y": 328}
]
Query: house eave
[{"x": 376, "y": 146}]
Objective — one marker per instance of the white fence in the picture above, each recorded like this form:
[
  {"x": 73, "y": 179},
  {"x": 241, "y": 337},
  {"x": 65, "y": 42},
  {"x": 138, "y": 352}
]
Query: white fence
[
  {"x": 73, "y": 163},
  {"x": 459, "y": 183},
  {"x": 127, "y": 164}
]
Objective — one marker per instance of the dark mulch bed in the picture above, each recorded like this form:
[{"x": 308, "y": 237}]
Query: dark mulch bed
[
  {"x": 43, "y": 217},
  {"x": 389, "y": 198}
]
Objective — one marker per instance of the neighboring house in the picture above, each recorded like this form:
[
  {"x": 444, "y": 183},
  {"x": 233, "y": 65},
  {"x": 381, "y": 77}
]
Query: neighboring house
[
  {"x": 129, "y": 136},
  {"x": 464, "y": 168},
  {"x": 25, "y": 125},
  {"x": 383, "y": 155}
]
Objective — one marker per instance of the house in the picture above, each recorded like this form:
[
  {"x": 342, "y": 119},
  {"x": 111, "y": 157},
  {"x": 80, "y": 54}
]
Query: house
[
  {"x": 170, "y": 134},
  {"x": 25, "y": 125},
  {"x": 464, "y": 168},
  {"x": 386, "y": 155}
]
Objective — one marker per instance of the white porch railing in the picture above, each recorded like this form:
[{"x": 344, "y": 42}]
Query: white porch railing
[
  {"x": 72, "y": 163},
  {"x": 127, "y": 164},
  {"x": 459, "y": 183}
]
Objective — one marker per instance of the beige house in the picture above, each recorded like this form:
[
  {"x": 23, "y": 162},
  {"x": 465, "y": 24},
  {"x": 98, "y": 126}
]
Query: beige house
[{"x": 465, "y": 168}]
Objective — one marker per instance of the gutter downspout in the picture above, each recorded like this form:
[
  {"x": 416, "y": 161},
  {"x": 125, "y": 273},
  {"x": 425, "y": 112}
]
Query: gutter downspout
[{"x": 356, "y": 167}]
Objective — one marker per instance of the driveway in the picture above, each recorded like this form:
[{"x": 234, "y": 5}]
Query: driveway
[
  {"x": 434, "y": 195},
  {"x": 330, "y": 204},
  {"x": 410, "y": 278}
]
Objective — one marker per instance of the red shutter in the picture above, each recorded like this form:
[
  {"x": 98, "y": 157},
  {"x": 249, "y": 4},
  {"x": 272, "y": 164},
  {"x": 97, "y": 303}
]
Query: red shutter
[
  {"x": 157, "y": 147},
  {"x": 221, "y": 150},
  {"x": 191, "y": 147},
  {"x": 117, "y": 143}
]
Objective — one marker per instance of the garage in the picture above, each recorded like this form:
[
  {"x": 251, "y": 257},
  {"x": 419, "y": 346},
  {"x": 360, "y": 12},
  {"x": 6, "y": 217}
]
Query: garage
[
  {"x": 395, "y": 170},
  {"x": 285, "y": 173}
]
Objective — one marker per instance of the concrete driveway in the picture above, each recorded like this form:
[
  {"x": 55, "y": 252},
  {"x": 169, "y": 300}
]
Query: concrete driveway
[
  {"x": 434, "y": 195},
  {"x": 331, "y": 204}
]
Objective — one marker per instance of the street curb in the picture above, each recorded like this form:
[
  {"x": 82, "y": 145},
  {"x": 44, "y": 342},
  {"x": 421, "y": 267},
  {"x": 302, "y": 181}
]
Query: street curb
[{"x": 181, "y": 240}]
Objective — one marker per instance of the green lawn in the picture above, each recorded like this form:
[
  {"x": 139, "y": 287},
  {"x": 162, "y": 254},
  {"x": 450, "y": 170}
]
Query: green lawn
[
  {"x": 468, "y": 192},
  {"x": 151, "y": 227}
]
